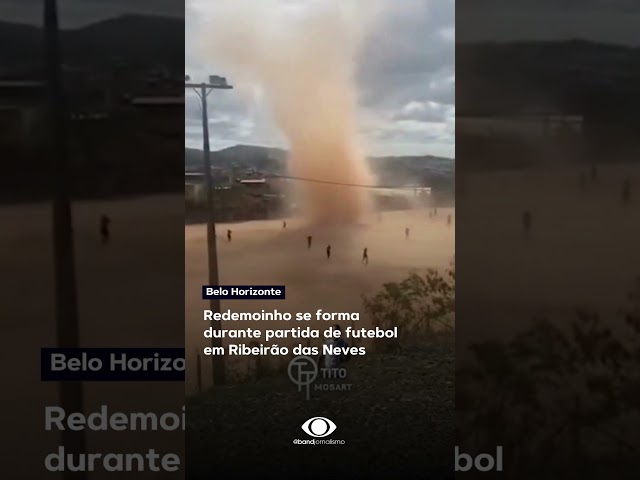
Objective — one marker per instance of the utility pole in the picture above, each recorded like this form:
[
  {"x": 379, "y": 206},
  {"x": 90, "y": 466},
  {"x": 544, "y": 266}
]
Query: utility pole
[
  {"x": 203, "y": 90},
  {"x": 71, "y": 393}
]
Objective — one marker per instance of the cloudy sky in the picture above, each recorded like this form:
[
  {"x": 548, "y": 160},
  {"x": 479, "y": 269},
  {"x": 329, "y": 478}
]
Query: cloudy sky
[{"x": 406, "y": 84}]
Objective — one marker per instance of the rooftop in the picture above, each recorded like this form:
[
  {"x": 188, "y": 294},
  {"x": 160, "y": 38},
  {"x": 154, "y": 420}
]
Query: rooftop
[
  {"x": 21, "y": 84},
  {"x": 253, "y": 180},
  {"x": 157, "y": 101}
]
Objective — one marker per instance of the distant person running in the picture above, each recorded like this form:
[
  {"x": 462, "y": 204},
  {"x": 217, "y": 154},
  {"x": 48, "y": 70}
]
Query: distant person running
[
  {"x": 449, "y": 219},
  {"x": 406, "y": 233},
  {"x": 284, "y": 224},
  {"x": 328, "y": 252},
  {"x": 228, "y": 235},
  {"x": 435, "y": 212},
  {"x": 105, "y": 231},
  {"x": 526, "y": 223},
  {"x": 365, "y": 256},
  {"x": 626, "y": 192},
  {"x": 309, "y": 240}
]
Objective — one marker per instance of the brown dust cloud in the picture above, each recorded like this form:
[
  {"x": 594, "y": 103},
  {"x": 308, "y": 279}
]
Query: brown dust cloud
[{"x": 303, "y": 62}]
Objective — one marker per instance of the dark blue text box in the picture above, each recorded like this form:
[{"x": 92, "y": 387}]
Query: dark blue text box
[
  {"x": 243, "y": 292},
  {"x": 112, "y": 364}
]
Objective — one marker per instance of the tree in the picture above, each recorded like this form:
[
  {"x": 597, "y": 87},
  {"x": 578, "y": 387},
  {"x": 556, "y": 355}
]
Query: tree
[{"x": 420, "y": 305}]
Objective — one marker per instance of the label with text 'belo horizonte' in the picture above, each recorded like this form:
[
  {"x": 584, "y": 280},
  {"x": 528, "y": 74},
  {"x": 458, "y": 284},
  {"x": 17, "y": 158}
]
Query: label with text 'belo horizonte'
[
  {"x": 243, "y": 292},
  {"x": 112, "y": 364}
]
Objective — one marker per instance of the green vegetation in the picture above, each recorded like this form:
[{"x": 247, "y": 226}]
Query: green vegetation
[
  {"x": 570, "y": 388},
  {"x": 421, "y": 306}
]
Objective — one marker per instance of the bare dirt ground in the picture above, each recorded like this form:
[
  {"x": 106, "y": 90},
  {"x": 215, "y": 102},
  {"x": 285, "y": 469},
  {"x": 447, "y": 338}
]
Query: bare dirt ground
[
  {"x": 127, "y": 294},
  {"x": 263, "y": 253},
  {"x": 127, "y": 298},
  {"x": 583, "y": 251}
]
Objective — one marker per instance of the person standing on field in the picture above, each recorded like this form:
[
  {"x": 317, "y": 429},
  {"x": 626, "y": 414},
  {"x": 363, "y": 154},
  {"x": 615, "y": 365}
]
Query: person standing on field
[
  {"x": 105, "y": 229},
  {"x": 526, "y": 223}
]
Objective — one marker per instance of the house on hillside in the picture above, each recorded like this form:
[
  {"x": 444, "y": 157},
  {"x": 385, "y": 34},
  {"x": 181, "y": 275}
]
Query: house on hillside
[
  {"x": 529, "y": 124},
  {"x": 255, "y": 186},
  {"x": 21, "y": 114},
  {"x": 160, "y": 114},
  {"x": 510, "y": 138}
]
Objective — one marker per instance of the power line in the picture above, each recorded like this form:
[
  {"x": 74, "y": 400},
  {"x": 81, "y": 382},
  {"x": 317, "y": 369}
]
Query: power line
[{"x": 342, "y": 184}]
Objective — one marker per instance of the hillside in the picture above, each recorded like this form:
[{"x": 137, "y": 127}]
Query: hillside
[
  {"x": 600, "y": 83},
  {"x": 393, "y": 170},
  {"x": 576, "y": 76},
  {"x": 135, "y": 39}
]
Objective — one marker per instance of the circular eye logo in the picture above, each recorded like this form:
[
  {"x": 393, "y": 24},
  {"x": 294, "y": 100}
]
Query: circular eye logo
[{"x": 319, "y": 427}]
